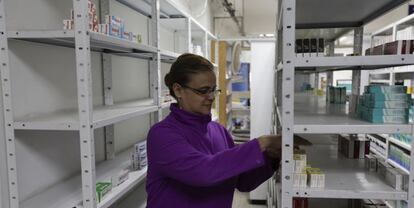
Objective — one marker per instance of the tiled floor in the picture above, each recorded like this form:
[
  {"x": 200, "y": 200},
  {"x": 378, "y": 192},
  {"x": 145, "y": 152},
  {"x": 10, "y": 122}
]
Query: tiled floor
[{"x": 241, "y": 200}]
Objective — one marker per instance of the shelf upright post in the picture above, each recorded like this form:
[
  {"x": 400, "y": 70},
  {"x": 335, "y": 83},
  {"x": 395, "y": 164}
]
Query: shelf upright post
[
  {"x": 84, "y": 83},
  {"x": 411, "y": 177},
  {"x": 155, "y": 63},
  {"x": 188, "y": 34},
  {"x": 13, "y": 193},
  {"x": 288, "y": 76},
  {"x": 107, "y": 88},
  {"x": 331, "y": 52},
  {"x": 205, "y": 44},
  {"x": 356, "y": 74}
]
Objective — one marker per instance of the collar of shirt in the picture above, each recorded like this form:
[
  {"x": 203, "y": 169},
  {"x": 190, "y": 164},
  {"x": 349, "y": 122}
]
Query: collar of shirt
[{"x": 189, "y": 118}]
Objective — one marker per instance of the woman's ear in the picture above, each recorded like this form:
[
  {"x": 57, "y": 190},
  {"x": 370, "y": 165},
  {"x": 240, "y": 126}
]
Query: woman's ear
[{"x": 177, "y": 90}]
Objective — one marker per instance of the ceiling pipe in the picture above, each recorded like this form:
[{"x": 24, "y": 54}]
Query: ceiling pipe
[{"x": 229, "y": 8}]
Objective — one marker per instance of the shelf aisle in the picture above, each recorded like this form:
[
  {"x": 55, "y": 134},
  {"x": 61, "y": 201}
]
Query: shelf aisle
[
  {"x": 345, "y": 178},
  {"x": 69, "y": 193},
  {"x": 102, "y": 116},
  {"x": 314, "y": 115}
]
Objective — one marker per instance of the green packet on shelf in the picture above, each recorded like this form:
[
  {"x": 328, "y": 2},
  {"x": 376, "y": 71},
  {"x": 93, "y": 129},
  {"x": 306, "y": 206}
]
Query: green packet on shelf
[
  {"x": 102, "y": 188},
  {"x": 385, "y": 89}
]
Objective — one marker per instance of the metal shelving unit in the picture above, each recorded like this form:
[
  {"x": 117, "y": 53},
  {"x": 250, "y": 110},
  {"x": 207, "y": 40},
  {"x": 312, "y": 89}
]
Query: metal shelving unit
[
  {"x": 308, "y": 115},
  {"x": 79, "y": 190}
]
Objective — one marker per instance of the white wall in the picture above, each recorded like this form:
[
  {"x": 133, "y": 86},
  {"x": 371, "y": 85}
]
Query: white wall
[{"x": 261, "y": 93}]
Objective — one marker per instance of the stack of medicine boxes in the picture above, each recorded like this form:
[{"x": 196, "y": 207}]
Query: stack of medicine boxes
[
  {"x": 384, "y": 104},
  {"x": 139, "y": 156},
  {"x": 336, "y": 95},
  {"x": 305, "y": 175}
]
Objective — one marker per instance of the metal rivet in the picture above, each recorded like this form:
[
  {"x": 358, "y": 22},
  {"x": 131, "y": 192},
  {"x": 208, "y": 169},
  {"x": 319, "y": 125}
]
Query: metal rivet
[
  {"x": 10, "y": 154},
  {"x": 402, "y": 59},
  {"x": 288, "y": 62},
  {"x": 5, "y": 80},
  {"x": 287, "y": 145},
  {"x": 12, "y": 169},
  {"x": 287, "y": 112},
  {"x": 10, "y": 140},
  {"x": 82, "y": 95},
  {"x": 84, "y": 141},
  {"x": 13, "y": 183},
  {"x": 307, "y": 61},
  {"x": 287, "y": 96},
  {"x": 288, "y": 129},
  {"x": 13, "y": 197},
  {"x": 83, "y": 126},
  {"x": 287, "y": 177},
  {"x": 287, "y": 161},
  {"x": 4, "y": 64},
  {"x": 85, "y": 156},
  {"x": 91, "y": 126},
  {"x": 86, "y": 171},
  {"x": 289, "y": 8},
  {"x": 289, "y": 44},
  {"x": 305, "y": 129},
  {"x": 6, "y": 95}
]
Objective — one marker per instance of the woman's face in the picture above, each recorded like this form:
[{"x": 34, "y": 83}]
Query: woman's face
[{"x": 198, "y": 94}]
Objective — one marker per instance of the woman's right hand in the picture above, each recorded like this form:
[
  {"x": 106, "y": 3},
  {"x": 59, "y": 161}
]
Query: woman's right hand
[{"x": 272, "y": 144}]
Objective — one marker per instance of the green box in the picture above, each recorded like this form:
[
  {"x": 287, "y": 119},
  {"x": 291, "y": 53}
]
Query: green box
[{"x": 102, "y": 188}]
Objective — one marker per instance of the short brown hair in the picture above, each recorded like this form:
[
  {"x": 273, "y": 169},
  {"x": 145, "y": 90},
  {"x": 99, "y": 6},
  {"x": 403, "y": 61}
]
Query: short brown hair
[{"x": 187, "y": 64}]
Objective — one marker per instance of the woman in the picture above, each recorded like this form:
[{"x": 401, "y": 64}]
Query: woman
[{"x": 193, "y": 161}]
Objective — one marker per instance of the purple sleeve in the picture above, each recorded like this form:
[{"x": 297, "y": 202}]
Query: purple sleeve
[
  {"x": 250, "y": 180},
  {"x": 171, "y": 155}
]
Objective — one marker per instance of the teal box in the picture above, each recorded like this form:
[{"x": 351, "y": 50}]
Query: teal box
[
  {"x": 387, "y": 96},
  {"x": 388, "y": 119},
  {"x": 385, "y": 89},
  {"x": 375, "y": 112},
  {"x": 387, "y": 104}
]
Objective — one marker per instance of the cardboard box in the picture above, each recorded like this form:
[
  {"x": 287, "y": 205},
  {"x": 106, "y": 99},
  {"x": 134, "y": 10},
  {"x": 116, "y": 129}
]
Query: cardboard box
[
  {"x": 355, "y": 147},
  {"x": 299, "y": 46}
]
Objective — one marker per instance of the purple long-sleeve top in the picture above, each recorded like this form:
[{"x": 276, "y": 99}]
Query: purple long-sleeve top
[{"x": 193, "y": 162}]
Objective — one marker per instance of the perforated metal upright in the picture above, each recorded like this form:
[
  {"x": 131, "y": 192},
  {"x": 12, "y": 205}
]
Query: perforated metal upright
[
  {"x": 188, "y": 35},
  {"x": 109, "y": 130},
  {"x": 84, "y": 86},
  {"x": 8, "y": 111},
  {"x": 288, "y": 80},
  {"x": 155, "y": 63}
]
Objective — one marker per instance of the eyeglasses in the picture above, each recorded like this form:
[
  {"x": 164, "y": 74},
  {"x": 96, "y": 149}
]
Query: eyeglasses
[{"x": 204, "y": 91}]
